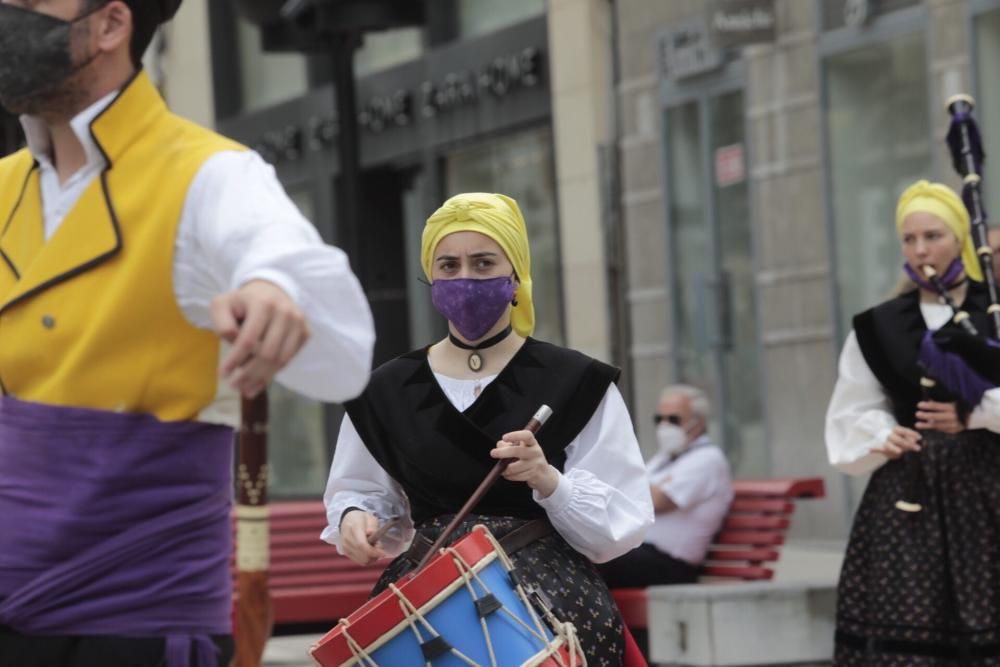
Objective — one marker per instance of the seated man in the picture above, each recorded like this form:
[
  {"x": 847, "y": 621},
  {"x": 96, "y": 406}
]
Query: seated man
[{"x": 691, "y": 488}]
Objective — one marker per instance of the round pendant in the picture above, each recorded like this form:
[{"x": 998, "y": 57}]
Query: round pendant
[{"x": 475, "y": 362}]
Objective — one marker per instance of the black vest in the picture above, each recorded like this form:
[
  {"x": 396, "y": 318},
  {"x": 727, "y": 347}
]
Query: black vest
[
  {"x": 440, "y": 455},
  {"x": 890, "y": 335}
]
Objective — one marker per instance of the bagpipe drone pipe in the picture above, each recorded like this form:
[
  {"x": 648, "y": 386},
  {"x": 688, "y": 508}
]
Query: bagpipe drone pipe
[{"x": 961, "y": 361}]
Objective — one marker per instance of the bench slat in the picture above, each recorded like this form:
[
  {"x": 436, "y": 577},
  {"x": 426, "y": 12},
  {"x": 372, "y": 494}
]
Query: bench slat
[
  {"x": 749, "y": 555},
  {"x": 811, "y": 487},
  {"x": 762, "y": 506},
  {"x": 750, "y": 573},
  {"x": 755, "y": 538},
  {"x": 298, "y": 525},
  {"x": 297, "y": 509},
  {"x": 737, "y": 521},
  {"x": 314, "y": 579},
  {"x": 305, "y": 605},
  {"x": 334, "y": 567},
  {"x": 632, "y": 605}
]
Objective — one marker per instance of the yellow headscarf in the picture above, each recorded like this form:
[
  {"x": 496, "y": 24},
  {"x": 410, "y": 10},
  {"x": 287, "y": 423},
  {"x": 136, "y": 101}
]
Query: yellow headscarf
[
  {"x": 940, "y": 200},
  {"x": 495, "y": 216}
]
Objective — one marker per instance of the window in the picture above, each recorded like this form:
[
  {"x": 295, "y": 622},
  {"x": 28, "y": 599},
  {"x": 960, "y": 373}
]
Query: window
[
  {"x": 382, "y": 50},
  {"x": 297, "y": 443},
  {"x": 988, "y": 103},
  {"x": 267, "y": 78},
  {"x": 478, "y": 17},
  {"x": 521, "y": 166},
  {"x": 880, "y": 142}
]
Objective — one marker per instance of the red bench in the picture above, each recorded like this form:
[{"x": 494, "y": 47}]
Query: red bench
[
  {"x": 751, "y": 536},
  {"x": 311, "y": 583}
]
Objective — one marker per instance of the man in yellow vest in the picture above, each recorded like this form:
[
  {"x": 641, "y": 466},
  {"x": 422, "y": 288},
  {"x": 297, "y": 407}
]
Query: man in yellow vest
[{"x": 132, "y": 244}]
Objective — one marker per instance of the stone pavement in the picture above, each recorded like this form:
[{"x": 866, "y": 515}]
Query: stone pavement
[{"x": 290, "y": 651}]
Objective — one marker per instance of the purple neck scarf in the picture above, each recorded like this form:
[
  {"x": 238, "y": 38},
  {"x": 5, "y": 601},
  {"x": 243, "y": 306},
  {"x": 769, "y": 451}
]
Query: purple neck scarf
[
  {"x": 949, "y": 279},
  {"x": 115, "y": 524}
]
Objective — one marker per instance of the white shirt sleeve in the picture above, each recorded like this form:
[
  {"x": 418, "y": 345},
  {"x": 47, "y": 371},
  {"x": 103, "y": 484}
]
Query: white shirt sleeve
[
  {"x": 859, "y": 416},
  {"x": 695, "y": 478},
  {"x": 987, "y": 413},
  {"x": 601, "y": 505},
  {"x": 238, "y": 225},
  {"x": 357, "y": 480}
]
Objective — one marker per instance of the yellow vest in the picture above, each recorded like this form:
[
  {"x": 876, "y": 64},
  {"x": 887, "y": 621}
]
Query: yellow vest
[{"x": 89, "y": 318}]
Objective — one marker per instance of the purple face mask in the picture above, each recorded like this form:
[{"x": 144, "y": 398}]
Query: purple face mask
[
  {"x": 473, "y": 305},
  {"x": 949, "y": 278}
]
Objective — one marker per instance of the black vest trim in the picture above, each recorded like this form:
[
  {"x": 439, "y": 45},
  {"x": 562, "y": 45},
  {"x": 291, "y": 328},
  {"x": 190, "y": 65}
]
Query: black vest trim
[
  {"x": 889, "y": 336},
  {"x": 439, "y": 455}
]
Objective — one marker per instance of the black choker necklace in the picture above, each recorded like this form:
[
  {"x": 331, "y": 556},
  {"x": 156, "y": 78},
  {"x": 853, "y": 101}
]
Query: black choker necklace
[{"x": 475, "y": 359}]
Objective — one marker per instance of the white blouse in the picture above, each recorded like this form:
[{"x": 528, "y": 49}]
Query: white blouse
[
  {"x": 601, "y": 505},
  {"x": 238, "y": 225},
  {"x": 860, "y": 415}
]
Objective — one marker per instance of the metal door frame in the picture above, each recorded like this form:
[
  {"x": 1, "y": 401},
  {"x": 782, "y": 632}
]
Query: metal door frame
[{"x": 700, "y": 91}]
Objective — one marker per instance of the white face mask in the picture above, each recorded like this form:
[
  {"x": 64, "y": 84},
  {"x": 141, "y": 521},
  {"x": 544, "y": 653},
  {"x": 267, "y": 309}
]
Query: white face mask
[{"x": 672, "y": 438}]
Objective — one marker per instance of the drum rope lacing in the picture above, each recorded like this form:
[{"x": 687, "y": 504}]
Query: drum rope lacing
[
  {"x": 358, "y": 651},
  {"x": 413, "y": 615},
  {"x": 566, "y": 628},
  {"x": 469, "y": 576}
]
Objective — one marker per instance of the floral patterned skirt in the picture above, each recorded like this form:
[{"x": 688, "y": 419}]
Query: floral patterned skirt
[
  {"x": 574, "y": 590},
  {"x": 923, "y": 589}
]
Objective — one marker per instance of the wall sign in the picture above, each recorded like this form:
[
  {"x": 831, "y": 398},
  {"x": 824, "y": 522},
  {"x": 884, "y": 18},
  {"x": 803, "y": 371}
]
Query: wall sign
[
  {"x": 742, "y": 22},
  {"x": 730, "y": 165},
  {"x": 500, "y": 78},
  {"x": 688, "y": 50},
  {"x": 497, "y": 79}
]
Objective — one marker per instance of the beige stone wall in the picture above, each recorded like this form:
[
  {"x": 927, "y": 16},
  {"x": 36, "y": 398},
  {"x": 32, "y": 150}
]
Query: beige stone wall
[
  {"x": 785, "y": 127},
  {"x": 181, "y": 62},
  {"x": 949, "y": 73},
  {"x": 793, "y": 281},
  {"x": 643, "y": 205},
  {"x": 579, "y": 60}
]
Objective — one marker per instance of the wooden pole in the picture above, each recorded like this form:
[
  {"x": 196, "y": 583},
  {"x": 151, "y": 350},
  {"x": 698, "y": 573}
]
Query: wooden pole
[{"x": 254, "y": 615}]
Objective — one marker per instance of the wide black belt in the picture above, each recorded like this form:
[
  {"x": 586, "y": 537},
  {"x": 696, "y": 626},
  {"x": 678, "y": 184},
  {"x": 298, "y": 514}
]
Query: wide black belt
[
  {"x": 512, "y": 542},
  {"x": 954, "y": 651}
]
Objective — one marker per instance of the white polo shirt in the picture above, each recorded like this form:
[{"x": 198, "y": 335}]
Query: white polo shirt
[{"x": 700, "y": 484}]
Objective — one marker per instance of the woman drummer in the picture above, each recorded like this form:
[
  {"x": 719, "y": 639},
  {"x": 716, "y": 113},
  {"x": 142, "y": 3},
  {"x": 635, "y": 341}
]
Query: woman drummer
[
  {"x": 432, "y": 423},
  {"x": 918, "y": 588}
]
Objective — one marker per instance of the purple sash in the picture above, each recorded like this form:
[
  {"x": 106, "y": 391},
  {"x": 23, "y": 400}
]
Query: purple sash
[{"x": 115, "y": 524}]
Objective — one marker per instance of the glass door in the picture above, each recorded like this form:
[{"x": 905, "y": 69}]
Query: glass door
[{"x": 711, "y": 269}]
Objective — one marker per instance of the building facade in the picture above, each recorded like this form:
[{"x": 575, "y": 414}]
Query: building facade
[
  {"x": 509, "y": 97},
  {"x": 759, "y": 186},
  {"x": 706, "y": 205}
]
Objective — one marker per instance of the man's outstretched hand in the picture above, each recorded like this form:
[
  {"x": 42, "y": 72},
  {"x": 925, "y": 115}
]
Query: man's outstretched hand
[{"x": 265, "y": 329}]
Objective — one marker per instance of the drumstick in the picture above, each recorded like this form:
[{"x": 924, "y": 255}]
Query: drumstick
[
  {"x": 383, "y": 529},
  {"x": 535, "y": 423}
]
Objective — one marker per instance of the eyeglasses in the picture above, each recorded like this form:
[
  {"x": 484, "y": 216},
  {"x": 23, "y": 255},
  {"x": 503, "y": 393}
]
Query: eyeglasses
[{"x": 673, "y": 419}]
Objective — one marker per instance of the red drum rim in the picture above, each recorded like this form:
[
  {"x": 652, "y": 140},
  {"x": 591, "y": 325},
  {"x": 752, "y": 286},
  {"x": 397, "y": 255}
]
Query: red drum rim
[{"x": 382, "y": 614}]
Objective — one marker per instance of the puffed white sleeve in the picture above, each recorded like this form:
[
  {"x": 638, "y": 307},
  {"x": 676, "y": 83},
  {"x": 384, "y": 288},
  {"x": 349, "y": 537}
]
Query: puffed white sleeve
[
  {"x": 357, "y": 480},
  {"x": 858, "y": 417},
  {"x": 601, "y": 505},
  {"x": 987, "y": 413},
  {"x": 239, "y": 225}
]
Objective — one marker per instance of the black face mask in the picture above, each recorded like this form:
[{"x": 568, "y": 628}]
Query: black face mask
[{"x": 35, "y": 55}]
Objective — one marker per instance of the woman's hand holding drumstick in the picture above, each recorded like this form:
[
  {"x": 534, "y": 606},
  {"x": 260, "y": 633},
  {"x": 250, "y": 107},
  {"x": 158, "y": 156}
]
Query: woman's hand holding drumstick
[
  {"x": 356, "y": 531},
  {"x": 526, "y": 462},
  {"x": 535, "y": 423}
]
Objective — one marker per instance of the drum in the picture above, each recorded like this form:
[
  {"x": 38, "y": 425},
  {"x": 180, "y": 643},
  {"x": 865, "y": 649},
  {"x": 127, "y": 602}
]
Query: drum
[{"x": 466, "y": 607}]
